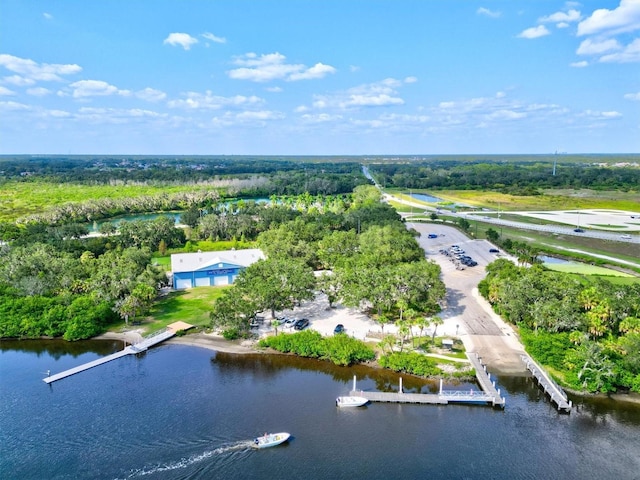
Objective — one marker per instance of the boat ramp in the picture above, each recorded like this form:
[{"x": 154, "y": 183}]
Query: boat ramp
[
  {"x": 556, "y": 394},
  {"x": 489, "y": 395},
  {"x": 148, "y": 342}
]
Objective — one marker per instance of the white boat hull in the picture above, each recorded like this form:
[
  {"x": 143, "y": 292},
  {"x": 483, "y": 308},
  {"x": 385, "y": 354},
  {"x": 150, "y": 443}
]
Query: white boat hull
[
  {"x": 351, "y": 401},
  {"x": 270, "y": 440}
]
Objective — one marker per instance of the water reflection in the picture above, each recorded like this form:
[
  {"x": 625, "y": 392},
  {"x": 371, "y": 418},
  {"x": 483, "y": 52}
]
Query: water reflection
[
  {"x": 58, "y": 348},
  {"x": 265, "y": 366}
]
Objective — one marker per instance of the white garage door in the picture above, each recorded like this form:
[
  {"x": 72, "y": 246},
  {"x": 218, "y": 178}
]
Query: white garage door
[
  {"x": 203, "y": 282},
  {"x": 221, "y": 281},
  {"x": 183, "y": 283}
]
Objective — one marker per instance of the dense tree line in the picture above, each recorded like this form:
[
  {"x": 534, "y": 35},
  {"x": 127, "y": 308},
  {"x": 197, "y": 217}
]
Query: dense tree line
[
  {"x": 47, "y": 291},
  {"x": 369, "y": 259},
  {"x": 587, "y": 331},
  {"x": 513, "y": 178},
  {"x": 181, "y": 169}
]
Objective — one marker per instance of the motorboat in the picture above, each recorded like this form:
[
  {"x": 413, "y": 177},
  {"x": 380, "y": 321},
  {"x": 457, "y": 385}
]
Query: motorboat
[
  {"x": 270, "y": 440},
  {"x": 351, "y": 401}
]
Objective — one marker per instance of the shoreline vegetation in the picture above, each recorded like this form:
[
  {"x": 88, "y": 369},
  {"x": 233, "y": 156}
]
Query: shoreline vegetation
[
  {"x": 58, "y": 282},
  {"x": 218, "y": 343}
]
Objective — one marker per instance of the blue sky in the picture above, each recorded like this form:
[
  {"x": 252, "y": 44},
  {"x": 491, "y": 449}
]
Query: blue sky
[{"x": 312, "y": 77}]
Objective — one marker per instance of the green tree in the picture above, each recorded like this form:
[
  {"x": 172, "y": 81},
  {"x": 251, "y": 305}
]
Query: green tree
[
  {"x": 277, "y": 284},
  {"x": 436, "y": 322}
]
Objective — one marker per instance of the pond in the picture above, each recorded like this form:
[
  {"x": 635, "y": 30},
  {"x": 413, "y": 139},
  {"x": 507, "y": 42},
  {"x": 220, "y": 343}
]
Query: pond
[{"x": 423, "y": 197}]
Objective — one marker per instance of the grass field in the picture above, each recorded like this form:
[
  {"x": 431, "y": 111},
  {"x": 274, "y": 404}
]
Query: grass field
[
  {"x": 550, "y": 200},
  {"x": 585, "y": 269},
  {"x": 19, "y": 199},
  {"x": 191, "y": 306}
]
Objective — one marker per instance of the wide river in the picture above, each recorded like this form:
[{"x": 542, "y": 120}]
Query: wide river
[{"x": 179, "y": 412}]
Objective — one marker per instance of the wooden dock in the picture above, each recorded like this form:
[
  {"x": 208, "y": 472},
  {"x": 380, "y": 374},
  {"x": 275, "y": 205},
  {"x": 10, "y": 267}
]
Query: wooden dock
[
  {"x": 556, "y": 394},
  {"x": 484, "y": 380},
  {"x": 489, "y": 395},
  {"x": 147, "y": 342}
]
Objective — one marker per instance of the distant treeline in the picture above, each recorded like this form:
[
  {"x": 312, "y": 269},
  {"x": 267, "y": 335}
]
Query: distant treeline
[
  {"x": 105, "y": 170},
  {"x": 513, "y": 178}
]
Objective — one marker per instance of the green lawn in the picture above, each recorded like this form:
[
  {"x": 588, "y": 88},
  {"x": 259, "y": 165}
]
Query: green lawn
[
  {"x": 191, "y": 306},
  {"x": 584, "y": 269}
]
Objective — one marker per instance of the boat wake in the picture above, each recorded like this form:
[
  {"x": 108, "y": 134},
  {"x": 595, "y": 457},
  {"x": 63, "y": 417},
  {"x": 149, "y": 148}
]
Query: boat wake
[{"x": 241, "y": 446}]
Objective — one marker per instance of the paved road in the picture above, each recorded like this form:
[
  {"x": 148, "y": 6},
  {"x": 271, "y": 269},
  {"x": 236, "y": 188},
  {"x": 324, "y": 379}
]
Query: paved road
[
  {"x": 421, "y": 210},
  {"x": 481, "y": 329}
]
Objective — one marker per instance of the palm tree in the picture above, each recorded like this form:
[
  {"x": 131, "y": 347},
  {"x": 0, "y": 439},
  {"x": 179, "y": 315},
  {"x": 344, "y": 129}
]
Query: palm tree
[
  {"x": 403, "y": 332},
  {"x": 275, "y": 324},
  {"x": 382, "y": 320},
  {"x": 435, "y": 321},
  {"x": 387, "y": 342}
]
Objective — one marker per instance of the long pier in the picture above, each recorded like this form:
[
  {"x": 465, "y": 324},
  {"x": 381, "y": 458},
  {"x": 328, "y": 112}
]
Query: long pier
[
  {"x": 149, "y": 341},
  {"x": 556, "y": 394},
  {"x": 488, "y": 395}
]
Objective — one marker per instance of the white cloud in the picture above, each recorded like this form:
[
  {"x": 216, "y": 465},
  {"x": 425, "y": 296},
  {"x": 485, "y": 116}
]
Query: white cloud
[
  {"x": 534, "y": 32},
  {"x": 506, "y": 115},
  {"x": 630, "y": 54},
  {"x": 379, "y": 100},
  {"x": 378, "y": 94},
  {"x": 94, "y": 88},
  {"x": 48, "y": 16},
  {"x": 44, "y": 72},
  {"x": 208, "y": 101},
  {"x": 411, "y": 79},
  {"x": 354, "y": 68},
  {"x": 14, "y": 106},
  {"x": 56, "y": 114},
  {"x": 38, "y": 91},
  {"x": 272, "y": 66},
  {"x": 274, "y": 89},
  {"x": 319, "y": 70},
  {"x": 562, "y": 25},
  {"x": 624, "y": 18},
  {"x": 488, "y": 13},
  {"x": 601, "y": 115},
  {"x": 259, "y": 115},
  {"x": 581, "y": 64},
  {"x": 183, "y": 40},
  {"x": 320, "y": 118},
  {"x": 151, "y": 95},
  {"x": 633, "y": 96},
  {"x": 594, "y": 47},
  {"x": 18, "y": 80},
  {"x": 214, "y": 38},
  {"x": 4, "y": 91},
  {"x": 562, "y": 17},
  {"x": 117, "y": 115}
]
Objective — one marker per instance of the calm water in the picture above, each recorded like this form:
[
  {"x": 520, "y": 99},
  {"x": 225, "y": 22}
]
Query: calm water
[
  {"x": 426, "y": 198},
  {"x": 182, "y": 412}
]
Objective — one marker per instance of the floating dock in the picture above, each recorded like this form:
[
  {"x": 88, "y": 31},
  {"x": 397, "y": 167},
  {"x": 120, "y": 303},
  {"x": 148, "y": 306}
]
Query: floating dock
[
  {"x": 146, "y": 343},
  {"x": 556, "y": 394},
  {"x": 488, "y": 395}
]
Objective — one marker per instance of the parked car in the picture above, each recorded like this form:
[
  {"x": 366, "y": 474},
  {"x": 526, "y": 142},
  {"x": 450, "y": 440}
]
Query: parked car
[
  {"x": 289, "y": 322},
  {"x": 339, "y": 328},
  {"x": 625, "y": 237},
  {"x": 494, "y": 250},
  {"x": 301, "y": 324},
  {"x": 578, "y": 230},
  {"x": 432, "y": 235}
]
